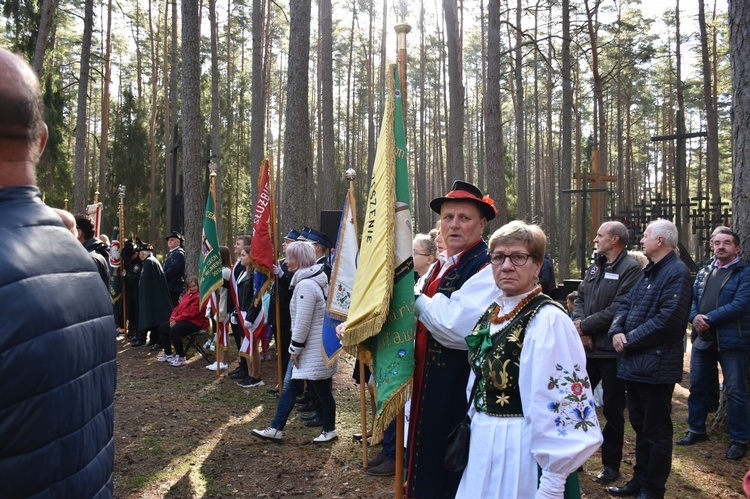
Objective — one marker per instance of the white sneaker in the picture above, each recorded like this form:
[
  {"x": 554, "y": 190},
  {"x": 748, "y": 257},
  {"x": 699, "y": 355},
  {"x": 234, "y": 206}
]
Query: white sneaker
[
  {"x": 326, "y": 436},
  {"x": 163, "y": 357},
  {"x": 269, "y": 434},
  {"x": 178, "y": 361},
  {"x": 212, "y": 367}
]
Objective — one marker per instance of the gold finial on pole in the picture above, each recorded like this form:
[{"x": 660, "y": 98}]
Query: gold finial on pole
[
  {"x": 402, "y": 29},
  {"x": 212, "y": 168},
  {"x": 96, "y": 195},
  {"x": 65, "y": 202}
]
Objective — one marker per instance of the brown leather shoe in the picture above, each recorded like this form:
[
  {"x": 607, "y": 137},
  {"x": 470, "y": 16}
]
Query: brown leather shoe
[{"x": 386, "y": 468}]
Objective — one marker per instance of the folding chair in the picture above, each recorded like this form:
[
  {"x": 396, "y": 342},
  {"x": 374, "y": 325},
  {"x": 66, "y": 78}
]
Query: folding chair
[{"x": 196, "y": 341}]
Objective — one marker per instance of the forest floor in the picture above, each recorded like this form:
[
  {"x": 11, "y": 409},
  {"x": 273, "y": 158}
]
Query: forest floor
[{"x": 183, "y": 432}]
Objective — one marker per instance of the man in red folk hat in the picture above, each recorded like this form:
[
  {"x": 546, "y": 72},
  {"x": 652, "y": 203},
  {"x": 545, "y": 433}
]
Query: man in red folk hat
[{"x": 441, "y": 373}]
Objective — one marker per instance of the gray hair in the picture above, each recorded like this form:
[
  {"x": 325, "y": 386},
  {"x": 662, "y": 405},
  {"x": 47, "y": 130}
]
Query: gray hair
[
  {"x": 427, "y": 243},
  {"x": 665, "y": 229},
  {"x": 302, "y": 252},
  {"x": 618, "y": 229}
]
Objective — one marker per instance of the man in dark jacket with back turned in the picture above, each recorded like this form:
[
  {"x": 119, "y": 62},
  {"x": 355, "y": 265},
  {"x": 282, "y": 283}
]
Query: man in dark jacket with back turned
[
  {"x": 57, "y": 350},
  {"x": 96, "y": 247},
  {"x": 647, "y": 332},
  {"x": 607, "y": 283}
]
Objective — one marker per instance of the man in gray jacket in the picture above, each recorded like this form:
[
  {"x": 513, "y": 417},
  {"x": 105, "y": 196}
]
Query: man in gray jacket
[{"x": 607, "y": 282}]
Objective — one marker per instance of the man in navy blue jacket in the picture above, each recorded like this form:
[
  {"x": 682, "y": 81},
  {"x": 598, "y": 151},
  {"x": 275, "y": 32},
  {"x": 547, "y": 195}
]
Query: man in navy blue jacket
[
  {"x": 720, "y": 315},
  {"x": 647, "y": 332},
  {"x": 57, "y": 350}
]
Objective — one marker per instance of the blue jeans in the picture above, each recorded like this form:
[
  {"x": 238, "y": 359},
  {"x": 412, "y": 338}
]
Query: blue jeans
[
  {"x": 703, "y": 380},
  {"x": 389, "y": 441},
  {"x": 286, "y": 400}
]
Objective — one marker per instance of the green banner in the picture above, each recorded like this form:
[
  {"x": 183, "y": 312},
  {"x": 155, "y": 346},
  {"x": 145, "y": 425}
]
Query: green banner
[{"x": 209, "y": 266}]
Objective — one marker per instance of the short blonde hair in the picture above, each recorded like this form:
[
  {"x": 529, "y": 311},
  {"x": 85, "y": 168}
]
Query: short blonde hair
[{"x": 518, "y": 231}]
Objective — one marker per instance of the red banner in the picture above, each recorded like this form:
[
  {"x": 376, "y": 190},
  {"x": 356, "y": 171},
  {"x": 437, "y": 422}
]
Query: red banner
[{"x": 262, "y": 242}]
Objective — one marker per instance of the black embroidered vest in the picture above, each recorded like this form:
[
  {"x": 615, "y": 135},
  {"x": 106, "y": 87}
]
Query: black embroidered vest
[{"x": 497, "y": 366}]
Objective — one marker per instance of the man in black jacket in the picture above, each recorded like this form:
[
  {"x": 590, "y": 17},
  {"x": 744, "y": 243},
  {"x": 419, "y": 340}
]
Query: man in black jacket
[
  {"x": 174, "y": 266},
  {"x": 57, "y": 374},
  {"x": 607, "y": 282},
  {"x": 647, "y": 331},
  {"x": 96, "y": 247}
]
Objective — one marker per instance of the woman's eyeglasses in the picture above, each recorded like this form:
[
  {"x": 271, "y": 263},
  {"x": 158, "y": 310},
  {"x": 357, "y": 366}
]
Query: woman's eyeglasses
[{"x": 517, "y": 259}]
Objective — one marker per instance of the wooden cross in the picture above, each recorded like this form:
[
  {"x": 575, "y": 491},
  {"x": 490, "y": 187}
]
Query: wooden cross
[
  {"x": 585, "y": 190},
  {"x": 597, "y": 180},
  {"x": 681, "y": 164}
]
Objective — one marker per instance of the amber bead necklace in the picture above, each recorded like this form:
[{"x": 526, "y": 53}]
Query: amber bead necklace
[{"x": 499, "y": 320}]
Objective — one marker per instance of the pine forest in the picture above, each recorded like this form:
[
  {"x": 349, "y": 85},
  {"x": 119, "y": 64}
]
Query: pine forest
[{"x": 526, "y": 99}]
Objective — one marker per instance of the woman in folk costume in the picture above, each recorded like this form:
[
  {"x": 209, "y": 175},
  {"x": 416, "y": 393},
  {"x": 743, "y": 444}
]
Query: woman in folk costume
[{"x": 534, "y": 422}]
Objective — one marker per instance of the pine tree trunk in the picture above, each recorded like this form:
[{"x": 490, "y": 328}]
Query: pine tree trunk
[
  {"x": 493, "y": 118},
  {"x": 192, "y": 141},
  {"x": 421, "y": 209},
  {"x": 298, "y": 156},
  {"x": 153, "y": 225},
  {"x": 79, "y": 166},
  {"x": 328, "y": 174},
  {"x": 257, "y": 130},
  {"x": 566, "y": 144},
  {"x": 739, "y": 55},
  {"x": 522, "y": 191},
  {"x": 456, "y": 93},
  {"x": 105, "y": 104},
  {"x": 712, "y": 120},
  {"x": 171, "y": 176},
  {"x": 216, "y": 150},
  {"x": 42, "y": 38},
  {"x": 601, "y": 143}
]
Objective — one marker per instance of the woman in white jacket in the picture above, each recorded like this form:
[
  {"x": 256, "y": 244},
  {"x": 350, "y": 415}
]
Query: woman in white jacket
[{"x": 310, "y": 291}]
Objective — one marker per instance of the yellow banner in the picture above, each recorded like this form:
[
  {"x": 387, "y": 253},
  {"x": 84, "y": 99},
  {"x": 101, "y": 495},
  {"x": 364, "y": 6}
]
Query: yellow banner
[{"x": 373, "y": 284}]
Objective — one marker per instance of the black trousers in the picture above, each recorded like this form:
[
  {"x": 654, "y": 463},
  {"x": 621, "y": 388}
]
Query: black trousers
[
  {"x": 323, "y": 389},
  {"x": 169, "y": 336},
  {"x": 605, "y": 370},
  {"x": 650, "y": 410}
]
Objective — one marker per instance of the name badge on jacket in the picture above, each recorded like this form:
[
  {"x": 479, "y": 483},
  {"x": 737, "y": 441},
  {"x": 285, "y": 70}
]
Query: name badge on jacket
[{"x": 611, "y": 275}]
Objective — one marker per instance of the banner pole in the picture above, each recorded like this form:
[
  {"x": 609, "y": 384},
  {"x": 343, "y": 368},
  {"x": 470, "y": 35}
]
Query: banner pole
[
  {"x": 363, "y": 409},
  {"x": 402, "y": 29},
  {"x": 399, "y": 479},
  {"x": 123, "y": 287},
  {"x": 277, "y": 333}
]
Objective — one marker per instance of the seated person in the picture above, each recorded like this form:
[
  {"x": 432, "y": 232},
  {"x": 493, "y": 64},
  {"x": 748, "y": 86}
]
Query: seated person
[{"x": 187, "y": 318}]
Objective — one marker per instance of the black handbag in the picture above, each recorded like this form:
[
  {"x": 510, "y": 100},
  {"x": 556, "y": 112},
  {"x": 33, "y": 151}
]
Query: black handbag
[{"x": 457, "y": 443}]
